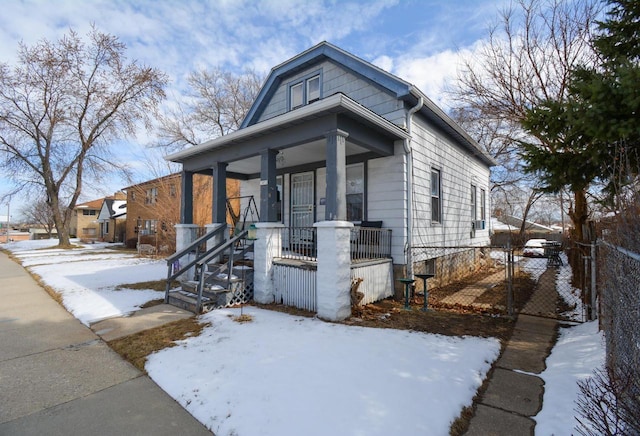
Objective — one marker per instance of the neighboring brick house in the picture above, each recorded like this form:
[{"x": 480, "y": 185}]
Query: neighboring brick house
[
  {"x": 153, "y": 208},
  {"x": 84, "y": 221}
]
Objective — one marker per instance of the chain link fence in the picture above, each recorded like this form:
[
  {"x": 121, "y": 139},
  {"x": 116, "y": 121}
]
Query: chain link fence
[
  {"x": 620, "y": 319},
  {"x": 503, "y": 281}
]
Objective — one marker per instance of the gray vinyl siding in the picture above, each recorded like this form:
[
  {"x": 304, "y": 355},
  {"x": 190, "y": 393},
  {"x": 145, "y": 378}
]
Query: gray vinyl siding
[
  {"x": 336, "y": 79},
  {"x": 387, "y": 198},
  {"x": 459, "y": 170}
]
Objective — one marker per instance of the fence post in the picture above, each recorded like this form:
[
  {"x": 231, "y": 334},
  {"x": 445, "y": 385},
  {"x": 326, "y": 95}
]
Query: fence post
[
  {"x": 334, "y": 270},
  {"x": 510, "y": 270},
  {"x": 586, "y": 285},
  {"x": 268, "y": 245},
  {"x": 594, "y": 295}
]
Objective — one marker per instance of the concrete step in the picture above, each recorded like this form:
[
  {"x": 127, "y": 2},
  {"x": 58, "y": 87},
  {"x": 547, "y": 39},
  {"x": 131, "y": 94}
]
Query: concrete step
[{"x": 187, "y": 300}]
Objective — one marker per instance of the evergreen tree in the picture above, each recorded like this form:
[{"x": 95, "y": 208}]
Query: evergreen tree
[{"x": 594, "y": 135}]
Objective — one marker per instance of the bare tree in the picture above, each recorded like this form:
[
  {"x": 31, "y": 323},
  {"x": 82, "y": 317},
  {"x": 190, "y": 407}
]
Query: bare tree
[
  {"x": 39, "y": 213},
  {"x": 62, "y": 106},
  {"x": 528, "y": 60},
  {"x": 215, "y": 106}
]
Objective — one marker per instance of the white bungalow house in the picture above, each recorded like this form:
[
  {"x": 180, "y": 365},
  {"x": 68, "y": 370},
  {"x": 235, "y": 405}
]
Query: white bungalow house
[
  {"x": 352, "y": 169},
  {"x": 112, "y": 218}
]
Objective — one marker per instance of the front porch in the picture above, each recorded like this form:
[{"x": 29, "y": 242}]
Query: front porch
[
  {"x": 308, "y": 168},
  {"x": 326, "y": 269}
]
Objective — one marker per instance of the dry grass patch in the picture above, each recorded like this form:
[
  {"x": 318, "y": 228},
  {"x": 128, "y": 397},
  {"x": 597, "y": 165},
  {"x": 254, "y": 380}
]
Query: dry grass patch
[
  {"x": 57, "y": 297},
  {"x": 135, "y": 348},
  {"x": 243, "y": 318},
  {"x": 156, "y": 285}
]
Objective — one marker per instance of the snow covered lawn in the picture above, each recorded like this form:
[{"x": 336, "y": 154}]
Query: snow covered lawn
[
  {"x": 289, "y": 375},
  {"x": 87, "y": 277}
]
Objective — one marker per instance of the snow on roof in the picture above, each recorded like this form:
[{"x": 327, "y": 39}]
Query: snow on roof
[{"x": 498, "y": 225}]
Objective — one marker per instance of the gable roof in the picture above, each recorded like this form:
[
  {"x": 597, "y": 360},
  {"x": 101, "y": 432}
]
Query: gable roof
[
  {"x": 316, "y": 54},
  {"x": 401, "y": 89},
  {"x": 93, "y": 204},
  {"x": 156, "y": 181}
]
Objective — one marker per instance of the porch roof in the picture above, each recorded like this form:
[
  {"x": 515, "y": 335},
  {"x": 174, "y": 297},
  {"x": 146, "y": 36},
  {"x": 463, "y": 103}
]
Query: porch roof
[{"x": 305, "y": 127}]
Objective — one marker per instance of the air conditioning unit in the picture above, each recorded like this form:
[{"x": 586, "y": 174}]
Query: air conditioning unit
[{"x": 479, "y": 225}]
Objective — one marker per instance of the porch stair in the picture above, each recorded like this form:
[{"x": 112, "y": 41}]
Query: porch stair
[{"x": 224, "y": 283}]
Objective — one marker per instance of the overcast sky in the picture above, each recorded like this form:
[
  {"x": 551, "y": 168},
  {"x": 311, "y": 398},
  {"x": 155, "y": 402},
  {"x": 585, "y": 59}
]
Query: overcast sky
[{"x": 418, "y": 40}]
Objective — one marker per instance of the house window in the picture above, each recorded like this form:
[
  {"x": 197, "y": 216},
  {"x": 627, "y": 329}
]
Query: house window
[
  {"x": 86, "y": 212},
  {"x": 147, "y": 227},
  {"x": 483, "y": 199},
  {"x": 474, "y": 208},
  {"x": 355, "y": 192},
  {"x": 436, "y": 196},
  {"x": 313, "y": 89},
  {"x": 151, "y": 196},
  {"x": 297, "y": 96},
  {"x": 133, "y": 196},
  {"x": 172, "y": 190},
  {"x": 89, "y": 231},
  {"x": 105, "y": 228},
  {"x": 305, "y": 91}
]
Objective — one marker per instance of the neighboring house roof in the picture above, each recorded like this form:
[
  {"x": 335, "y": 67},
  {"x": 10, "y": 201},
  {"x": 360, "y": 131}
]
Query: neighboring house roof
[
  {"x": 93, "y": 204},
  {"x": 153, "y": 181},
  {"x": 512, "y": 223},
  {"x": 112, "y": 209},
  {"x": 402, "y": 90}
]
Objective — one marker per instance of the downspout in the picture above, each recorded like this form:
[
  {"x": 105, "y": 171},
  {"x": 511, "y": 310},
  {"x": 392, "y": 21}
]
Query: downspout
[{"x": 409, "y": 170}]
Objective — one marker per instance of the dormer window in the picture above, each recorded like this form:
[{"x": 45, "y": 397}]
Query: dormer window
[
  {"x": 313, "y": 89},
  {"x": 306, "y": 91},
  {"x": 297, "y": 95}
]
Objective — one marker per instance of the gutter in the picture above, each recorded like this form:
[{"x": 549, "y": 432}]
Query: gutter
[{"x": 409, "y": 171}]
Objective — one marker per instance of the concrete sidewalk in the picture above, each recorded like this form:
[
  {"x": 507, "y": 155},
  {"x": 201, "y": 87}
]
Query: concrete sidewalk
[
  {"x": 514, "y": 392},
  {"x": 58, "y": 378}
]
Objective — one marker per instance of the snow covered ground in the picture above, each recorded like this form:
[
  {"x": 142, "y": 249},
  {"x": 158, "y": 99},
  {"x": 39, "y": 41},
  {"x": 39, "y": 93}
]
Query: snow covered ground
[
  {"x": 87, "y": 277},
  {"x": 288, "y": 375},
  {"x": 578, "y": 352}
]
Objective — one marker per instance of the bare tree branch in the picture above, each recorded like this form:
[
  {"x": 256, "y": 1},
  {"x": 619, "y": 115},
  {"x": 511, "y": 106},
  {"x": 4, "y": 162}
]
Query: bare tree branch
[{"x": 62, "y": 106}]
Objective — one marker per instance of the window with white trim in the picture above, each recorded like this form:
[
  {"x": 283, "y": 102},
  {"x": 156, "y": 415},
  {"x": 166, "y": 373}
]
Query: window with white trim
[
  {"x": 483, "y": 199},
  {"x": 305, "y": 91},
  {"x": 436, "y": 196},
  {"x": 474, "y": 207},
  {"x": 151, "y": 196}
]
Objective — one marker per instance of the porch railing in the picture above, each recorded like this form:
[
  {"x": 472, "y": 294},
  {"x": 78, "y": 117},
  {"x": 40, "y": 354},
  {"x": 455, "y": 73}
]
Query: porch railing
[
  {"x": 301, "y": 243},
  {"x": 370, "y": 243}
]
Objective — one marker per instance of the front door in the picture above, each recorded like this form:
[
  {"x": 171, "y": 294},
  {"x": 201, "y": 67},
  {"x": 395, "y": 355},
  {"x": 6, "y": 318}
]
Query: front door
[{"x": 302, "y": 207}]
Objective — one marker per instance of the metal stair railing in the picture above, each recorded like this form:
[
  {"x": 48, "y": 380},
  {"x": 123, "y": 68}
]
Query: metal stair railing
[
  {"x": 174, "y": 269},
  {"x": 201, "y": 264}
]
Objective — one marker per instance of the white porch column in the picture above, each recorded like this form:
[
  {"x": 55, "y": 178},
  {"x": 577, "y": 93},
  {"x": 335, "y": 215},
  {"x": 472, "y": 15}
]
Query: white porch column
[
  {"x": 267, "y": 246},
  {"x": 334, "y": 270},
  {"x": 184, "y": 237},
  {"x": 221, "y": 237}
]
